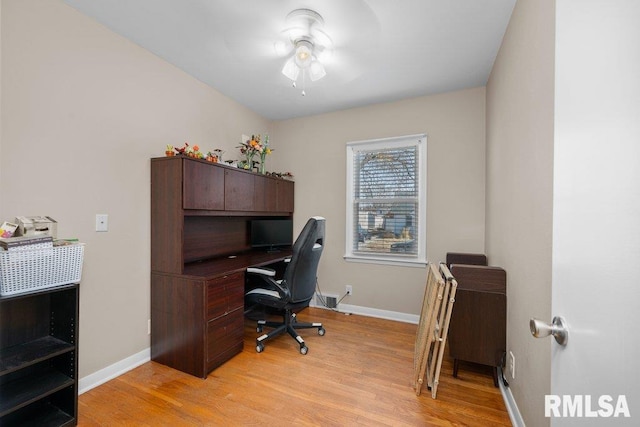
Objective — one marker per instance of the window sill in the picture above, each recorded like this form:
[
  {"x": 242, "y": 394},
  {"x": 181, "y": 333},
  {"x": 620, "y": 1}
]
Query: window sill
[{"x": 372, "y": 259}]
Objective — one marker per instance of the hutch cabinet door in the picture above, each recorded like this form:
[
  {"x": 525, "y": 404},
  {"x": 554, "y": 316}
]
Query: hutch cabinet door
[
  {"x": 238, "y": 191},
  {"x": 266, "y": 193},
  {"x": 285, "y": 196},
  {"x": 203, "y": 186}
]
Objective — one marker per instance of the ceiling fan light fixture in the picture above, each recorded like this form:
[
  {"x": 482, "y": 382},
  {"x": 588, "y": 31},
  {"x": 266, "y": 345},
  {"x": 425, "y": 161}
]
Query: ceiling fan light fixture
[
  {"x": 316, "y": 71},
  {"x": 290, "y": 69},
  {"x": 304, "y": 53}
]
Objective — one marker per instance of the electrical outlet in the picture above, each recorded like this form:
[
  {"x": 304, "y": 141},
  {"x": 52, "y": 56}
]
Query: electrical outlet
[
  {"x": 512, "y": 365},
  {"x": 349, "y": 290}
]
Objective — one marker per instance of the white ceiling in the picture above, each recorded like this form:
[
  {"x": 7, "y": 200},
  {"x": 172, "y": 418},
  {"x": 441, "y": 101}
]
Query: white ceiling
[{"x": 384, "y": 50}]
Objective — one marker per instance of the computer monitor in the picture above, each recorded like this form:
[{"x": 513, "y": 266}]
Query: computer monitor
[{"x": 271, "y": 234}]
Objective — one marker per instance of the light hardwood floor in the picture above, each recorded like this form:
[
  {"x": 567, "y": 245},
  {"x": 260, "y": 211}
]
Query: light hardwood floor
[{"x": 359, "y": 373}]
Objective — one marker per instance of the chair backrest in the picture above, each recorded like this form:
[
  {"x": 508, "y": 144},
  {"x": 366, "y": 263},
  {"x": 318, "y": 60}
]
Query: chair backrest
[{"x": 300, "y": 275}]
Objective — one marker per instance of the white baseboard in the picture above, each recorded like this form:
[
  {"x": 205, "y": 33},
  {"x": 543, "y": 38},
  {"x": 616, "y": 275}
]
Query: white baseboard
[
  {"x": 113, "y": 371},
  {"x": 374, "y": 312},
  {"x": 510, "y": 403}
]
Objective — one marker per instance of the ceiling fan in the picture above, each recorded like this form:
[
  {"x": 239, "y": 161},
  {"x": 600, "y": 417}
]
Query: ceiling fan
[
  {"x": 332, "y": 42},
  {"x": 308, "y": 42}
]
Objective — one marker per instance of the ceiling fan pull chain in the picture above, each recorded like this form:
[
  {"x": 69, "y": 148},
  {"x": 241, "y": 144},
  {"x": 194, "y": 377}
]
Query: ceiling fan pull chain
[{"x": 303, "y": 82}]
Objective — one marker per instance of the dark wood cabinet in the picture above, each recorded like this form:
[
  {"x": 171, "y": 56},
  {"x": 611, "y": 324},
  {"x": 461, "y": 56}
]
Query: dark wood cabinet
[
  {"x": 196, "y": 324},
  {"x": 39, "y": 358},
  {"x": 478, "y": 328},
  {"x": 200, "y": 248}
]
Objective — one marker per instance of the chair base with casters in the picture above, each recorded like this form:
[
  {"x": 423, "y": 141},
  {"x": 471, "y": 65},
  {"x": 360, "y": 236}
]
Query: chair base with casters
[{"x": 289, "y": 324}]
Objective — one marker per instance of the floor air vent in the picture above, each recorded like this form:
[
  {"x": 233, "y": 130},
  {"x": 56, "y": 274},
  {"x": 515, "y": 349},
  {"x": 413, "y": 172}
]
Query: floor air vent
[{"x": 328, "y": 301}]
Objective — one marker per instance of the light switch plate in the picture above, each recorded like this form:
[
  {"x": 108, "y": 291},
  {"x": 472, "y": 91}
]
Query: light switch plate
[{"x": 102, "y": 222}]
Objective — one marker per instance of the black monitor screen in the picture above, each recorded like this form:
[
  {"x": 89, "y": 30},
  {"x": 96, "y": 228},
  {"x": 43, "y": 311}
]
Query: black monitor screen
[{"x": 271, "y": 233}]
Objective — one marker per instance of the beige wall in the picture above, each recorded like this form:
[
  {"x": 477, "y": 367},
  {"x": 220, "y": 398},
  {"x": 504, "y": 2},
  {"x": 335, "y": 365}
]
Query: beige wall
[
  {"x": 314, "y": 150},
  {"x": 83, "y": 110},
  {"x": 520, "y": 100}
]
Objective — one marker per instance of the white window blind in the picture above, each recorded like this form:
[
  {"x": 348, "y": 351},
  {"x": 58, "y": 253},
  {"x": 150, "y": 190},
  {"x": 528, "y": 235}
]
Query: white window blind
[{"x": 386, "y": 189}]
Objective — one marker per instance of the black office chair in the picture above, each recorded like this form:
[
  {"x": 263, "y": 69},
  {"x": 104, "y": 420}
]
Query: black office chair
[{"x": 294, "y": 291}]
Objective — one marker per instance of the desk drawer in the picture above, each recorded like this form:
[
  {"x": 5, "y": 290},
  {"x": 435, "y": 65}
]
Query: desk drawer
[
  {"x": 225, "y": 337},
  {"x": 224, "y": 295}
]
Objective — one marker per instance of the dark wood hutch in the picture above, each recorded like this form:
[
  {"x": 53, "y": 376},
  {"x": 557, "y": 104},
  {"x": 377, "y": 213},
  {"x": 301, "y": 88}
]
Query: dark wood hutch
[{"x": 200, "y": 249}]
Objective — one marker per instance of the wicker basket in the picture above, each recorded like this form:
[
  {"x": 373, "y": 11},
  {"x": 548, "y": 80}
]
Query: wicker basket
[{"x": 28, "y": 270}]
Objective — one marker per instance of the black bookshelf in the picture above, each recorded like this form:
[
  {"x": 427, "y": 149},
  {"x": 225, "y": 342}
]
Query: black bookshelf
[{"x": 39, "y": 357}]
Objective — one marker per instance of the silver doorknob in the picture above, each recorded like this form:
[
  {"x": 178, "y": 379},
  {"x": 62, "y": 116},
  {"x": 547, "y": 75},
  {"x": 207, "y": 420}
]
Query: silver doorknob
[{"x": 558, "y": 329}]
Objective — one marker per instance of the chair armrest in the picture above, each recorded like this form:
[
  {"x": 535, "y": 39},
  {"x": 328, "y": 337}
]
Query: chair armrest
[
  {"x": 262, "y": 271},
  {"x": 265, "y": 285},
  {"x": 282, "y": 290}
]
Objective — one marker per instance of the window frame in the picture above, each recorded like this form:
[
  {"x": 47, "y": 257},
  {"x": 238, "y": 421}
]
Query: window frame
[{"x": 412, "y": 260}]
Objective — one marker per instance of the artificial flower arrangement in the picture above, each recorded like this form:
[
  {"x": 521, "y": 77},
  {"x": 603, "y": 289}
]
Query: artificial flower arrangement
[
  {"x": 217, "y": 154},
  {"x": 194, "y": 151},
  {"x": 250, "y": 147},
  {"x": 190, "y": 151},
  {"x": 284, "y": 175}
]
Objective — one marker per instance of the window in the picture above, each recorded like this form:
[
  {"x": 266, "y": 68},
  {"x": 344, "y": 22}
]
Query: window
[{"x": 386, "y": 201}]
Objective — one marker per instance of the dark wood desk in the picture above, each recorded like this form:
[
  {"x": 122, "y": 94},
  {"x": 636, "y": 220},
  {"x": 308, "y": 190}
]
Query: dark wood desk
[
  {"x": 200, "y": 248},
  {"x": 197, "y": 318},
  {"x": 235, "y": 263}
]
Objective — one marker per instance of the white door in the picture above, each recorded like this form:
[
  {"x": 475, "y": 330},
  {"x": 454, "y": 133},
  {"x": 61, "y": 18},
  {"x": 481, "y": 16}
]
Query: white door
[{"x": 596, "y": 232}]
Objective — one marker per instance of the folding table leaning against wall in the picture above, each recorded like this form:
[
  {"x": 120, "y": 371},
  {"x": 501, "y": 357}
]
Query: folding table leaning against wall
[{"x": 431, "y": 335}]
